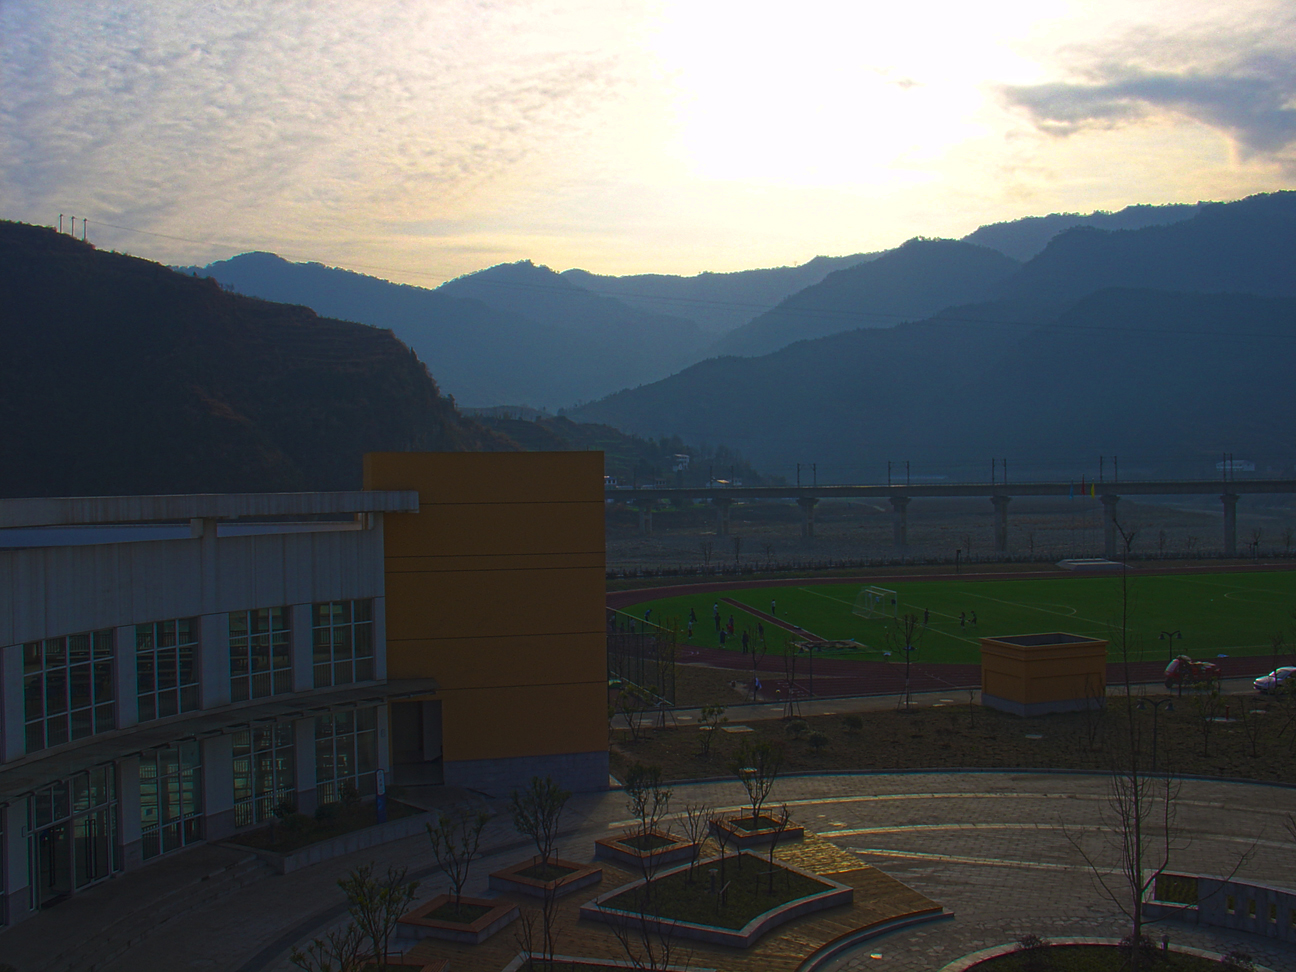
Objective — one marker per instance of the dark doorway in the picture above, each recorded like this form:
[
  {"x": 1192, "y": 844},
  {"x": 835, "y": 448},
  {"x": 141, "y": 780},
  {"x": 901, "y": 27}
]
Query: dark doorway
[{"x": 416, "y": 743}]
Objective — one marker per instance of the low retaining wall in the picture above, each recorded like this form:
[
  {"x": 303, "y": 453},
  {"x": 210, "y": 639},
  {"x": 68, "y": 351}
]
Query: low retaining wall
[
  {"x": 342, "y": 844},
  {"x": 1224, "y": 903}
]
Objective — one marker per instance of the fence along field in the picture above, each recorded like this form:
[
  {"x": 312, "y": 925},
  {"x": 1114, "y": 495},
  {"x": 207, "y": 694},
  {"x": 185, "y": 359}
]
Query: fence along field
[{"x": 1227, "y": 613}]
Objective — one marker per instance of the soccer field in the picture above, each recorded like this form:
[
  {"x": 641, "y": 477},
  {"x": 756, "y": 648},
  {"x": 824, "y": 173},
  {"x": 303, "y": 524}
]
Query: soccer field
[{"x": 1228, "y": 613}]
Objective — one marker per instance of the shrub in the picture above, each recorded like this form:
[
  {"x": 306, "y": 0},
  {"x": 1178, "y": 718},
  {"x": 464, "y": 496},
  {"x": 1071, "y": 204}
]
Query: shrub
[
  {"x": 796, "y": 728},
  {"x": 350, "y": 795},
  {"x": 853, "y": 723},
  {"x": 327, "y": 812},
  {"x": 296, "y": 822},
  {"x": 1238, "y": 961},
  {"x": 817, "y": 740}
]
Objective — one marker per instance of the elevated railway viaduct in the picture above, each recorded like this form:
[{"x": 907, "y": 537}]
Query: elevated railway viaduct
[{"x": 999, "y": 495}]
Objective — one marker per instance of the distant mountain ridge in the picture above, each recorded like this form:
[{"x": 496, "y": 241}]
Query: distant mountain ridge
[
  {"x": 122, "y": 376},
  {"x": 1024, "y": 238},
  {"x": 1170, "y": 340},
  {"x": 908, "y": 283},
  {"x": 719, "y": 302}
]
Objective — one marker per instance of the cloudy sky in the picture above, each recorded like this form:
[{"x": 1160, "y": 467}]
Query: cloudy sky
[{"x": 421, "y": 139}]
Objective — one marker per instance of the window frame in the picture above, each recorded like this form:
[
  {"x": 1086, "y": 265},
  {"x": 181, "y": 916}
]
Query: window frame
[
  {"x": 150, "y": 663},
  {"x": 260, "y": 635},
  {"x": 56, "y": 672},
  {"x": 340, "y": 631}
]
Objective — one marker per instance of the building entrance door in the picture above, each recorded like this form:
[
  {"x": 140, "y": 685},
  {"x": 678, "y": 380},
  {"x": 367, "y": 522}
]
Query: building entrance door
[
  {"x": 74, "y": 834},
  {"x": 53, "y": 865},
  {"x": 416, "y": 743}
]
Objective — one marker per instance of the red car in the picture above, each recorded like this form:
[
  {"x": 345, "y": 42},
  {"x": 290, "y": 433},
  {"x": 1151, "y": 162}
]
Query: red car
[{"x": 1182, "y": 671}]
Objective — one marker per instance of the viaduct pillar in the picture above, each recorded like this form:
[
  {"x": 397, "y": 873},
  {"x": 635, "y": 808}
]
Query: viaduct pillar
[
  {"x": 1230, "y": 524},
  {"x": 807, "y": 504},
  {"x": 722, "y": 505},
  {"x": 1111, "y": 536},
  {"x": 1000, "y": 522},
  {"x": 900, "y": 521},
  {"x": 645, "y": 519}
]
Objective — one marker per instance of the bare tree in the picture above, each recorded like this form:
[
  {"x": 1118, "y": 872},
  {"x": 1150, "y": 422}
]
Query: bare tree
[
  {"x": 757, "y": 765},
  {"x": 712, "y": 718},
  {"x": 905, "y": 635},
  {"x": 376, "y": 904},
  {"x": 695, "y": 822},
  {"x": 337, "y": 951},
  {"x": 1207, "y": 704},
  {"x": 455, "y": 842},
  {"x": 536, "y": 811},
  {"x": 780, "y": 828}
]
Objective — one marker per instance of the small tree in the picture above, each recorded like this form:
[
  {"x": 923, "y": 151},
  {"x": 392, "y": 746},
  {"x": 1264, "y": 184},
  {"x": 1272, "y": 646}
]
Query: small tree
[
  {"x": 853, "y": 723},
  {"x": 631, "y": 706},
  {"x": 817, "y": 740},
  {"x": 695, "y": 822},
  {"x": 780, "y": 828},
  {"x": 338, "y": 951},
  {"x": 757, "y": 766},
  {"x": 536, "y": 811},
  {"x": 796, "y": 728},
  {"x": 455, "y": 841},
  {"x": 1208, "y": 706},
  {"x": 376, "y": 904},
  {"x": 713, "y": 717},
  {"x": 646, "y": 799}
]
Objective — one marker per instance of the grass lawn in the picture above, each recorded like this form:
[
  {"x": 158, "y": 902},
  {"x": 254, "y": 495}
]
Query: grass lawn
[
  {"x": 676, "y": 897},
  {"x": 1090, "y": 958},
  {"x": 1229, "y": 613}
]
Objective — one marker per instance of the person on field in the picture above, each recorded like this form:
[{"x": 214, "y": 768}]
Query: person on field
[
  {"x": 722, "y": 637},
  {"x": 692, "y": 616},
  {"x": 746, "y": 641},
  {"x": 690, "y": 630},
  {"x": 973, "y": 619},
  {"x": 716, "y": 618},
  {"x": 731, "y": 626},
  {"x": 962, "y": 619},
  {"x": 760, "y": 631},
  {"x": 773, "y": 608}
]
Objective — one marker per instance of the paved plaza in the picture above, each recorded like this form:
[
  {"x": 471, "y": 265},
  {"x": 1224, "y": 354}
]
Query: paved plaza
[{"x": 994, "y": 848}]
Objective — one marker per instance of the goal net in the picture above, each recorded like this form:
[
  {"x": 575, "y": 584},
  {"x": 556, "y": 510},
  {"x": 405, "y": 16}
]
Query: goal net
[{"x": 876, "y": 602}]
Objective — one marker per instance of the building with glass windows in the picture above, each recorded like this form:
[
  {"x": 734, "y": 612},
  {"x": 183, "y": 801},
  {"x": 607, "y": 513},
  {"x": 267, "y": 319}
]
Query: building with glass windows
[{"x": 177, "y": 668}]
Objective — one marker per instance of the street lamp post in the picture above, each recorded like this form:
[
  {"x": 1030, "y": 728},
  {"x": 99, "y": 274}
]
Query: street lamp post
[{"x": 1156, "y": 708}]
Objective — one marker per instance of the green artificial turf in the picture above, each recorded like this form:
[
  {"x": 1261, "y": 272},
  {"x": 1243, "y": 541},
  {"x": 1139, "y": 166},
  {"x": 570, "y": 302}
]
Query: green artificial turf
[{"x": 1229, "y": 613}]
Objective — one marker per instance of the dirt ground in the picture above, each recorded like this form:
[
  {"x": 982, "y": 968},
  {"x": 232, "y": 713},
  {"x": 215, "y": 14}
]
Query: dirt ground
[
  {"x": 1258, "y": 740},
  {"x": 1043, "y": 528}
]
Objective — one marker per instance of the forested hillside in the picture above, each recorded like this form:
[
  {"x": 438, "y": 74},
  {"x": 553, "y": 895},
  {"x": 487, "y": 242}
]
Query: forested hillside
[{"x": 122, "y": 376}]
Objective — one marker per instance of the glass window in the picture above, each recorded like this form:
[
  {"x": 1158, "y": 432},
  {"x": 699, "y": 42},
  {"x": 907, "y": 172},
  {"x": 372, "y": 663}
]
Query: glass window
[
  {"x": 68, "y": 688},
  {"x": 346, "y": 751},
  {"x": 342, "y": 636},
  {"x": 73, "y": 823},
  {"x": 260, "y": 664},
  {"x": 166, "y": 654},
  {"x": 170, "y": 780},
  {"x": 264, "y": 774}
]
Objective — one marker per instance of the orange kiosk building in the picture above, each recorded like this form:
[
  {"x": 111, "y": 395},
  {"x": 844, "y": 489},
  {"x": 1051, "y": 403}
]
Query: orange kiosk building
[
  {"x": 495, "y": 589},
  {"x": 1035, "y": 674}
]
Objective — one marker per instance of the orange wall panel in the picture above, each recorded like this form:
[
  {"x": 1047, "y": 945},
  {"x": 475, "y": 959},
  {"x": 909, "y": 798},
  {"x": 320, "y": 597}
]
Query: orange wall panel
[
  {"x": 490, "y": 723},
  {"x": 493, "y": 662}
]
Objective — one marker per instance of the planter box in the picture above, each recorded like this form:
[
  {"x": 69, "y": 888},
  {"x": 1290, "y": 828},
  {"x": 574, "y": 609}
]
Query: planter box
[
  {"x": 833, "y": 895},
  {"x": 617, "y": 849},
  {"x": 580, "y": 876},
  {"x": 743, "y": 839},
  {"x": 342, "y": 844},
  {"x": 416, "y": 924}
]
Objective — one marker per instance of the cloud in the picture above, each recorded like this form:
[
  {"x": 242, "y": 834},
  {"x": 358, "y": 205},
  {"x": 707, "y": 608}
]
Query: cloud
[{"x": 1242, "y": 84}]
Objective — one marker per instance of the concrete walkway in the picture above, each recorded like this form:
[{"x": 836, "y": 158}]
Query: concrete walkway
[{"x": 994, "y": 848}]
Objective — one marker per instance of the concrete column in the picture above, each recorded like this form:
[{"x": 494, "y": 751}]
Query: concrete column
[
  {"x": 129, "y": 823},
  {"x": 1111, "y": 536},
  {"x": 204, "y": 530},
  {"x": 380, "y": 638},
  {"x": 645, "y": 520},
  {"x": 384, "y": 741},
  {"x": 213, "y": 660},
  {"x": 1230, "y": 524},
  {"x": 900, "y": 521},
  {"x": 807, "y": 504},
  {"x": 13, "y": 857},
  {"x": 301, "y": 647},
  {"x": 125, "y": 686},
  {"x": 12, "y": 717},
  {"x": 304, "y": 755},
  {"x": 218, "y": 785},
  {"x": 1000, "y": 522},
  {"x": 722, "y": 516}
]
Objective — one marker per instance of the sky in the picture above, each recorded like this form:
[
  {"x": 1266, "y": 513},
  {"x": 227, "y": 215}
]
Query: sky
[{"x": 421, "y": 139}]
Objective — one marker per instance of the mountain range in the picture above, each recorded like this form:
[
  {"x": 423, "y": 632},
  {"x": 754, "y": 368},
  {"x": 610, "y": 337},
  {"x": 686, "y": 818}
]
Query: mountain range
[
  {"x": 521, "y": 333},
  {"x": 1170, "y": 340}
]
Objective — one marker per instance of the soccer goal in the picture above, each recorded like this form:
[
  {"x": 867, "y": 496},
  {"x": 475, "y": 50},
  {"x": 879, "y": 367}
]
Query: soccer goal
[{"x": 876, "y": 602}]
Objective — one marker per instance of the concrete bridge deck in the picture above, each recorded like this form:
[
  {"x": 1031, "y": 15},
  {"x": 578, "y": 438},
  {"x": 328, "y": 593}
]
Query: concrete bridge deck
[{"x": 1000, "y": 495}]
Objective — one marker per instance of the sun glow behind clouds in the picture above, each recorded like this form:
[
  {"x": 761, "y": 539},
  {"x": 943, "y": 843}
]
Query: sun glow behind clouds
[{"x": 626, "y": 135}]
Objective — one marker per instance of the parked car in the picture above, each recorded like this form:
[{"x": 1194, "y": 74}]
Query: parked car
[
  {"x": 1182, "y": 671},
  {"x": 1275, "y": 679}
]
